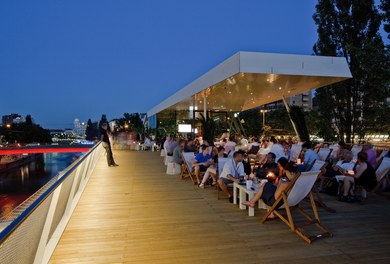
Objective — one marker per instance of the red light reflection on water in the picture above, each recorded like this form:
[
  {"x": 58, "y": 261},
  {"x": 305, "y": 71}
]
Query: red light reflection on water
[{"x": 8, "y": 203}]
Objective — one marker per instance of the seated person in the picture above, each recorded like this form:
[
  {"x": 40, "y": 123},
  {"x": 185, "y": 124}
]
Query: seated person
[
  {"x": 277, "y": 148},
  {"x": 254, "y": 147},
  {"x": 177, "y": 157},
  {"x": 364, "y": 176},
  {"x": 201, "y": 162},
  {"x": 212, "y": 169},
  {"x": 232, "y": 171},
  {"x": 340, "y": 168},
  {"x": 230, "y": 145},
  {"x": 309, "y": 157},
  {"x": 246, "y": 162},
  {"x": 269, "y": 166},
  {"x": 339, "y": 154},
  {"x": 371, "y": 154},
  {"x": 189, "y": 146},
  {"x": 271, "y": 190},
  {"x": 147, "y": 141}
]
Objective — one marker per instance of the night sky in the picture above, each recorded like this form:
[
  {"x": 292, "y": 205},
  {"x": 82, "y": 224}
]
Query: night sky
[{"x": 61, "y": 60}]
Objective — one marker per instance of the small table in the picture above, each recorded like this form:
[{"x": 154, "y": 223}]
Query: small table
[{"x": 243, "y": 191}]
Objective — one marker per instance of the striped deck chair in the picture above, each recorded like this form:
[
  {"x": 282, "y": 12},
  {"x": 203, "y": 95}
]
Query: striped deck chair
[
  {"x": 290, "y": 198},
  {"x": 324, "y": 153},
  {"x": 187, "y": 170}
]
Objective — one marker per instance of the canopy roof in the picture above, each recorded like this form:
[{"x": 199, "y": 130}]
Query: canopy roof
[{"x": 251, "y": 79}]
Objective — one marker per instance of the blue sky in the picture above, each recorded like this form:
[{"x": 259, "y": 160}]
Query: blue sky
[{"x": 61, "y": 60}]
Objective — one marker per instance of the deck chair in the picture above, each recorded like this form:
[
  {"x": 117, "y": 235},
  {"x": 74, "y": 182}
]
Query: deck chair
[
  {"x": 318, "y": 165},
  {"x": 335, "y": 151},
  {"x": 297, "y": 190},
  {"x": 221, "y": 163},
  {"x": 382, "y": 174},
  {"x": 355, "y": 150},
  {"x": 295, "y": 152},
  {"x": 380, "y": 157},
  {"x": 324, "y": 153},
  {"x": 187, "y": 170}
]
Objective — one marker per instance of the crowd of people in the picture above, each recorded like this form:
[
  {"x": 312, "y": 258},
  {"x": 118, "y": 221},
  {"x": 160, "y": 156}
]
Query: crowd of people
[{"x": 269, "y": 162}]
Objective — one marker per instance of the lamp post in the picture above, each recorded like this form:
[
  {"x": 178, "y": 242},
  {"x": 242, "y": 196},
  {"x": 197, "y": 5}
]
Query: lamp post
[{"x": 263, "y": 111}]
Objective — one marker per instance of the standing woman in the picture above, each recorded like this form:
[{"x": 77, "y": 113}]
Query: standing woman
[{"x": 106, "y": 144}]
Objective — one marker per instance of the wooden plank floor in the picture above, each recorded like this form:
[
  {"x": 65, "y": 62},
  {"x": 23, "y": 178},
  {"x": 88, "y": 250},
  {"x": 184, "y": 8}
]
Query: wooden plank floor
[{"x": 135, "y": 213}]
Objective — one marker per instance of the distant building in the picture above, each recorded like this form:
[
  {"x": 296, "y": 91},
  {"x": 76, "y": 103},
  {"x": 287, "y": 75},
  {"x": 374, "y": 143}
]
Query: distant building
[
  {"x": 12, "y": 119},
  {"x": 79, "y": 128},
  {"x": 303, "y": 100}
]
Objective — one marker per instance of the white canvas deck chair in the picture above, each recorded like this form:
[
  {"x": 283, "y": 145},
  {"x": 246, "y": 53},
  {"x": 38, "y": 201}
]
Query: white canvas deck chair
[
  {"x": 380, "y": 157},
  {"x": 318, "y": 165},
  {"x": 298, "y": 189},
  {"x": 295, "y": 152},
  {"x": 355, "y": 150},
  {"x": 324, "y": 154},
  {"x": 382, "y": 175},
  {"x": 187, "y": 170}
]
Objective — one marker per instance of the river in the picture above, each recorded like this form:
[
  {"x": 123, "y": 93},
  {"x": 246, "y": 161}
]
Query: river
[{"x": 16, "y": 185}]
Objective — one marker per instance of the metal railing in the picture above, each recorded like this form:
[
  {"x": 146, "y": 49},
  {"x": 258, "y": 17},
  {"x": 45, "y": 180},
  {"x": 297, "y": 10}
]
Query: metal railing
[{"x": 31, "y": 233}]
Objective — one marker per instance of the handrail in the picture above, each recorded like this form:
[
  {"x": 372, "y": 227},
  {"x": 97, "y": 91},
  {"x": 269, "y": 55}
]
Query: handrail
[{"x": 20, "y": 218}]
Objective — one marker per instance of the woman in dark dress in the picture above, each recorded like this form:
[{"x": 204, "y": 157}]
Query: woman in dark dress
[
  {"x": 272, "y": 189},
  {"x": 364, "y": 176}
]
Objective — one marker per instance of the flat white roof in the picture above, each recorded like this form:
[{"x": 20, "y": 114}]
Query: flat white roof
[{"x": 251, "y": 79}]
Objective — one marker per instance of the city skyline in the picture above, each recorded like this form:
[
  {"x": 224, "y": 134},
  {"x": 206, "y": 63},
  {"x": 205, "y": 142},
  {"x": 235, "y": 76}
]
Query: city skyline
[{"x": 62, "y": 60}]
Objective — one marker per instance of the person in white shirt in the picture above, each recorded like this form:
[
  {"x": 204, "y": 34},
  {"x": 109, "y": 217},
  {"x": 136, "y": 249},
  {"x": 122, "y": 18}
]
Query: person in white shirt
[
  {"x": 340, "y": 168},
  {"x": 232, "y": 171},
  {"x": 230, "y": 146},
  {"x": 277, "y": 149}
]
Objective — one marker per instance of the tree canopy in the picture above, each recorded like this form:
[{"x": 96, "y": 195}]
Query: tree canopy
[{"x": 351, "y": 29}]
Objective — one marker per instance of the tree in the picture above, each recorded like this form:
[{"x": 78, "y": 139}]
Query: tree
[
  {"x": 351, "y": 29},
  {"x": 208, "y": 128},
  {"x": 253, "y": 123},
  {"x": 29, "y": 120},
  {"x": 90, "y": 131},
  {"x": 385, "y": 6}
]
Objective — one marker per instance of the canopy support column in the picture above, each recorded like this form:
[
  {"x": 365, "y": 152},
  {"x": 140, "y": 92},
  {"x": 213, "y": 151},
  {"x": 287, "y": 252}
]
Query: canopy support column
[{"x": 292, "y": 122}]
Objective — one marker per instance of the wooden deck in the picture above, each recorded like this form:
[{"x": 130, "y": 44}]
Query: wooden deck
[{"x": 135, "y": 213}]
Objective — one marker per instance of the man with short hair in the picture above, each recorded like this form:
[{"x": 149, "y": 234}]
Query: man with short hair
[
  {"x": 269, "y": 166},
  {"x": 201, "y": 162},
  {"x": 309, "y": 157},
  {"x": 232, "y": 171}
]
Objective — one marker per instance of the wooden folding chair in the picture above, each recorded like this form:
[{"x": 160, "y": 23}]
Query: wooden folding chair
[
  {"x": 324, "y": 154},
  {"x": 382, "y": 174},
  {"x": 187, "y": 170},
  {"x": 380, "y": 158},
  {"x": 320, "y": 165},
  {"x": 298, "y": 189}
]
